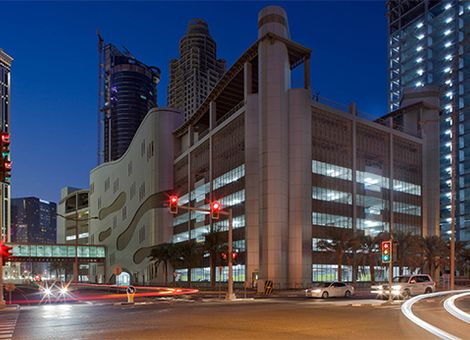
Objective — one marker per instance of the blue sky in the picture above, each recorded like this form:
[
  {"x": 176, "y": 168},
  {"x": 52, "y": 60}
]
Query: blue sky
[{"x": 54, "y": 74}]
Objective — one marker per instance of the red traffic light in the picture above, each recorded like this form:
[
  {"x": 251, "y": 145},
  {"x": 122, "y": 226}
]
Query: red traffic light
[
  {"x": 5, "y": 138},
  {"x": 234, "y": 255},
  {"x": 386, "y": 250},
  {"x": 223, "y": 256},
  {"x": 215, "y": 209},
  {"x": 174, "y": 204},
  {"x": 5, "y": 252}
]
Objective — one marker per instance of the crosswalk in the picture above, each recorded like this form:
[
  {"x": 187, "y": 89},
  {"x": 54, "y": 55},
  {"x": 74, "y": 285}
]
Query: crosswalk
[{"x": 7, "y": 324}]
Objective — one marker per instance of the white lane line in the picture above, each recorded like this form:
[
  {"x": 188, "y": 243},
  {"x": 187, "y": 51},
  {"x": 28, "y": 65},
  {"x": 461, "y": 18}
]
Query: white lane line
[
  {"x": 450, "y": 307},
  {"x": 406, "y": 310}
]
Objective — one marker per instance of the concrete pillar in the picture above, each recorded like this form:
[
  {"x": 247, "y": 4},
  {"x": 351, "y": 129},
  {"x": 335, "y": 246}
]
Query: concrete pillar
[
  {"x": 307, "y": 73},
  {"x": 252, "y": 234},
  {"x": 274, "y": 82},
  {"x": 212, "y": 115},
  {"x": 247, "y": 80},
  {"x": 300, "y": 189},
  {"x": 429, "y": 126}
]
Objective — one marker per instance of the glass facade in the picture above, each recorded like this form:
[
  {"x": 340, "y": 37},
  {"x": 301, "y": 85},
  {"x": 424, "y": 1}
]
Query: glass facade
[
  {"x": 427, "y": 45},
  {"x": 64, "y": 251}
]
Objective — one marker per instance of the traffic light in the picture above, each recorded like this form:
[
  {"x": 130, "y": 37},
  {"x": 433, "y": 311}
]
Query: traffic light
[
  {"x": 215, "y": 209},
  {"x": 223, "y": 255},
  {"x": 386, "y": 251},
  {"x": 174, "y": 204},
  {"x": 5, "y": 252},
  {"x": 5, "y": 144},
  {"x": 5, "y": 163},
  {"x": 234, "y": 255}
]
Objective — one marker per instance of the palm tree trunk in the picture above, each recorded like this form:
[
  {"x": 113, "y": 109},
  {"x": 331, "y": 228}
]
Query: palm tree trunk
[
  {"x": 165, "y": 273},
  {"x": 371, "y": 270},
  {"x": 340, "y": 262},
  {"x": 189, "y": 277}
]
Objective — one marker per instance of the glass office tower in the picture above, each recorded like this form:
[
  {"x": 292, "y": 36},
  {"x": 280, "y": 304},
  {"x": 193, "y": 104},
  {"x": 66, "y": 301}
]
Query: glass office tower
[{"x": 428, "y": 44}]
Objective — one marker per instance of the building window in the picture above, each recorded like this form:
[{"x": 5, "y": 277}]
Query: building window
[
  {"x": 116, "y": 185},
  {"x": 329, "y": 220},
  {"x": 132, "y": 190},
  {"x": 124, "y": 213},
  {"x": 329, "y": 272},
  {"x": 142, "y": 234},
  {"x": 129, "y": 168},
  {"x": 331, "y": 170},
  {"x": 106, "y": 184},
  {"x": 114, "y": 222}
]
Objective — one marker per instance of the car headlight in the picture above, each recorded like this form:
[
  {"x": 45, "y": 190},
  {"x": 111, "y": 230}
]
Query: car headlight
[
  {"x": 396, "y": 287},
  {"x": 380, "y": 287}
]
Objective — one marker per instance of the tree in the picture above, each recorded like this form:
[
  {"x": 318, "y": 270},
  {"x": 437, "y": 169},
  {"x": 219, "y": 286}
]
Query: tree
[
  {"x": 408, "y": 248},
  {"x": 370, "y": 249},
  {"x": 339, "y": 242},
  {"x": 213, "y": 245},
  {"x": 188, "y": 254},
  {"x": 434, "y": 250},
  {"x": 163, "y": 254}
]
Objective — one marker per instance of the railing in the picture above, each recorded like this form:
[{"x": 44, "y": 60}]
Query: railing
[{"x": 232, "y": 111}]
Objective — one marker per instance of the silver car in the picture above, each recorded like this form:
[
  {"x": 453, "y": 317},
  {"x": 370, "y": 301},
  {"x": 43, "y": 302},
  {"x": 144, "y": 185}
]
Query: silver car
[
  {"x": 330, "y": 289},
  {"x": 405, "y": 286}
]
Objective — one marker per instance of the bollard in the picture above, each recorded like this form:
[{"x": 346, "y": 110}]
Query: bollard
[{"x": 130, "y": 294}]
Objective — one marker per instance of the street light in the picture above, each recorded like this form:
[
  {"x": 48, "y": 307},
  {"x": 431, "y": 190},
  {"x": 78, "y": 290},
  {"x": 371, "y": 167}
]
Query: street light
[{"x": 76, "y": 219}]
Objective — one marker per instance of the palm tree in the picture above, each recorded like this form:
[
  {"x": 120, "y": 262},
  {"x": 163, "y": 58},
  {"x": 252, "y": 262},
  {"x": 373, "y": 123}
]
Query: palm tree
[
  {"x": 460, "y": 248},
  {"x": 370, "y": 246},
  {"x": 188, "y": 254},
  {"x": 339, "y": 242},
  {"x": 408, "y": 247},
  {"x": 212, "y": 245},
  {"x": 434, "y": 249},
  {"x": 163, "y": 254}
]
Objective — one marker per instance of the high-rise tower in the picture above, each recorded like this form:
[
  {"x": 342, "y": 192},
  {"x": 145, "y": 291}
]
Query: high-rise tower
[
  {"x": 429, "y": 44},
  {"x": 128, "y": 90},
  {"x": 5, "y": 67},
  {"x": 197, "y": 70}
]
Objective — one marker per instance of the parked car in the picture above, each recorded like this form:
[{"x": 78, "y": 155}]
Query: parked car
[
  {"x": 404, "y": 286},
  {"x": 330, "y": 289}
]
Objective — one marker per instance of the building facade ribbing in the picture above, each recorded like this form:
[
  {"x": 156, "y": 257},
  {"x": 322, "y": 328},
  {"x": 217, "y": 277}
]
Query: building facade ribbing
[
  {"x": 197, "y": 70},
  {"x": 5, "y": 88},
  {"x": 129, "y": 90},
  {"x": 428, "y": 44}
]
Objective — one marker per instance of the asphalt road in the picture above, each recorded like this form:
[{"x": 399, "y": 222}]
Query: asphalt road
[{"x": 294, "y": 318}]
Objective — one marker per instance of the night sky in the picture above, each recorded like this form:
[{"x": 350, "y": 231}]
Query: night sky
[{"x": 54, "y": 73}]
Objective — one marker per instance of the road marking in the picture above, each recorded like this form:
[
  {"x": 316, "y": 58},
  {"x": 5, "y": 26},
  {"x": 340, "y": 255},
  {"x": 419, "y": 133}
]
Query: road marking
[
  {"x": 449, "y": 305},
  {"x": 406, "y": 310},
  {"x": 7, "y": 325}
]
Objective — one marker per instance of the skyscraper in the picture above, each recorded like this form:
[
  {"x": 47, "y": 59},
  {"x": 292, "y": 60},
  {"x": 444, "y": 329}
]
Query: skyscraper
[
  {"x": 5, "y": 67},
  {"x": 429, "y": 44},
  {"x": 33, "y": 220},
  {"x": 128, "y": 89},
  {"x": 197, "y": 70}
]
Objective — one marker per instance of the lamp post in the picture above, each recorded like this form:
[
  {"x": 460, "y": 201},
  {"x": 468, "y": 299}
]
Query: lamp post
[{"x": 76, "y": 219}]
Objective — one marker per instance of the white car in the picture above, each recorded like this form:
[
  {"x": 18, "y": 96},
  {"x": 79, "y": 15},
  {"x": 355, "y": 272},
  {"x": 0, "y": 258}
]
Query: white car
[
  {"x": 330, "y": 289},
  {"x": 405, "y": 286}
]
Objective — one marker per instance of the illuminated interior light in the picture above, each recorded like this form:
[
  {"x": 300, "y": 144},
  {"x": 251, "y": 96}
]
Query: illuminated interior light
[
  {"x": 418, "y": 60},
  {"x": 448, "y": 57},
  {"x": 419, "y": 48},
  {"x": 448, "y": 20},
  {"x": 447, "y": 44},
  {"x": 419, "y": 83},
  {"x": 448, "y": 107},
  {"x": 420, "y": 24},
  {"x": 448, "y": 132},
  {"x": 420, "y": 72},
  {"x": 447, "y": 70},
  {"x": 448, "y": 157},
  {"x": 447, "y": 32},
  {"x": 421, "y": 36},
  {"x": 447, "y": 6}
]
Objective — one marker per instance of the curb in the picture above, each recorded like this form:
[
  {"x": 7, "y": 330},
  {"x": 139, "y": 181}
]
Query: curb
[{"x": 9, "y": 308}]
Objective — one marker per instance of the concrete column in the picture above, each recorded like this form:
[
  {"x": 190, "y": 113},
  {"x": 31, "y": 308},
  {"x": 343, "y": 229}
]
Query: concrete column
[
  {"x": 252, "y": 178},
  {"x": 274, "y": 82},
  {"x": 212, "y": 115},
  {"x": 300, "y": 189},
  {"x": 247, "y": 80},
  {"x": 307, "y": 73}
]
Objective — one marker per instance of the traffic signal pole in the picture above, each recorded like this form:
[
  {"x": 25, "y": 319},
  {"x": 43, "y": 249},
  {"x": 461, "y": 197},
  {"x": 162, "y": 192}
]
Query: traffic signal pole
[
  {"x": 2, "y": 301},
  {"x": 230, "y": 295},
  {"x": 390, "y": 271}
]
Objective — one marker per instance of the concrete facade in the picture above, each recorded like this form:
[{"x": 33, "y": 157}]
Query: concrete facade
[{"x": 127, "y": 194}]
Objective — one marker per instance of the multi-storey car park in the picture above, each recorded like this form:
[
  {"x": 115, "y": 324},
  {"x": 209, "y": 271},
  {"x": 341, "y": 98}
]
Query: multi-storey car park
[{"x": 292, "y": 169}]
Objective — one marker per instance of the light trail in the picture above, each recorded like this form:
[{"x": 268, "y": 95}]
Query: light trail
[
  {"x": 450, "y": 307},
  {"x": 406, "y": 309}
]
